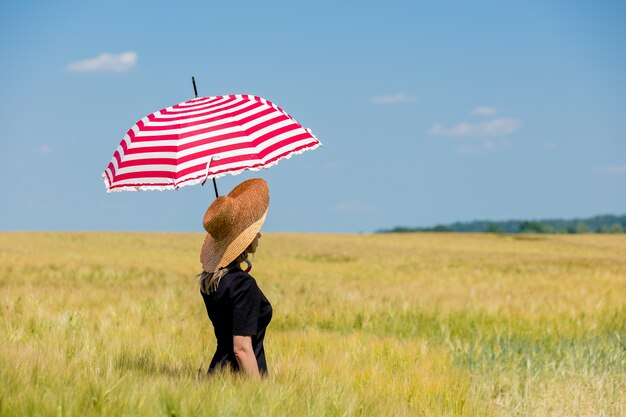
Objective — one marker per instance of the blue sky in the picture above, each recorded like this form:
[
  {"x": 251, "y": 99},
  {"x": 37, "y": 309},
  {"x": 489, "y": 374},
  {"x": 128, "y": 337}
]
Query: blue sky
[{"x": 429, "y": 111}]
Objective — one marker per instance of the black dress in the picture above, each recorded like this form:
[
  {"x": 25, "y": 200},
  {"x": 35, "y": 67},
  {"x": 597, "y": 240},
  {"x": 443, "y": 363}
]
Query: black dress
[{"x": 237, "y": 308}]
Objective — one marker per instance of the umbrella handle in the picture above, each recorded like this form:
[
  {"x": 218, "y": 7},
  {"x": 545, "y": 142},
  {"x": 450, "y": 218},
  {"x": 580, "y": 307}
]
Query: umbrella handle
[{"x": 206, "y": 177}]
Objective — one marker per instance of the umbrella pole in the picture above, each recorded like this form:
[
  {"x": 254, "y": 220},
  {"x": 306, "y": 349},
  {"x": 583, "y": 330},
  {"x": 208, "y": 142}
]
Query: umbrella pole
[
  {"x": 215, "y": 188},
  {"x": 195, "y": 91}
]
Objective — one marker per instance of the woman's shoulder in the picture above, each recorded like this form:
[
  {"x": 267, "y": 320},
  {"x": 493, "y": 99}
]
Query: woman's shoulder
[{"x": 237, "y": 277}]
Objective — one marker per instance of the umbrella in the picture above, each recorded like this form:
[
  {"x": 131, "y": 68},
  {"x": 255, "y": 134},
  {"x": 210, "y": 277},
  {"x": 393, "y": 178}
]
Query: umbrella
[{"x": 205, "y": 137}]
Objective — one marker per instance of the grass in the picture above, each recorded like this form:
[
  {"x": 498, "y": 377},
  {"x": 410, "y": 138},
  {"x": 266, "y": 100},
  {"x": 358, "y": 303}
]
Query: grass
[{"x": 372, "y": 325}]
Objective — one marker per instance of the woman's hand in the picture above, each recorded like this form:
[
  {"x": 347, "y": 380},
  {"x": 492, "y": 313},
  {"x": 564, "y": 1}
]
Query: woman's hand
[{"x": 242, "y": 346}]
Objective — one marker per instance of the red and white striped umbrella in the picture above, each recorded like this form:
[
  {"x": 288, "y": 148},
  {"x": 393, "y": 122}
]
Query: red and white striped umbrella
[{"x": 202, "y": 138}]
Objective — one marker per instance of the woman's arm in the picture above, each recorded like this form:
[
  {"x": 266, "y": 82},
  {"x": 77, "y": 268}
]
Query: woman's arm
[{"x": 242, "y": 345}]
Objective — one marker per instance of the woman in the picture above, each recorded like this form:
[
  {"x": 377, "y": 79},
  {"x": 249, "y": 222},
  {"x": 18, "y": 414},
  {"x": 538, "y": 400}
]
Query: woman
[{"x": 236, "y": 306}]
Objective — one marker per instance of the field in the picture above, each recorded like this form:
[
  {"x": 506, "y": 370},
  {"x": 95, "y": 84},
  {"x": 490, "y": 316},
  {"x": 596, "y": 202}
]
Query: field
[{"x": 364, "y": 325}]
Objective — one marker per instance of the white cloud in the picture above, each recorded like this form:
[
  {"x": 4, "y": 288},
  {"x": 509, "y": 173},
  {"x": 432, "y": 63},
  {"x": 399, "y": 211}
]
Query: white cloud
[
  {"x": 44, "y": 149},
  {"x": 496, "y": 127},
  {"x": 614, "y": 170},
  {"x": 394, "y": 99},
  {"x": 484, "y": 111},
  {"x": 105, "y": 62},
  {"x": 492, "y": 145}
]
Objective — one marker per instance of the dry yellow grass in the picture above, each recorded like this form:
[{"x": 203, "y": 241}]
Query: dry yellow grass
[{"x": 416, "y": 324}]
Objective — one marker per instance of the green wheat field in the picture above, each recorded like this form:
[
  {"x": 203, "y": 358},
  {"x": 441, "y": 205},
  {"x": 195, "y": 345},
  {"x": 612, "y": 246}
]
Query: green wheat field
[{"x": 112, "y": 324}]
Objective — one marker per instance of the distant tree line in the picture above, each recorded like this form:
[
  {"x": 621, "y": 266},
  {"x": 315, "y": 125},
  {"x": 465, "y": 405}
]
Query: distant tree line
[{"x": 597, "y": 224}]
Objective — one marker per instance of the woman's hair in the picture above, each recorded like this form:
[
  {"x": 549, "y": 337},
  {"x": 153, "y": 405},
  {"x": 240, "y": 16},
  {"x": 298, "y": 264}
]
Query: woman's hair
[{"x": 209, "y": 281}]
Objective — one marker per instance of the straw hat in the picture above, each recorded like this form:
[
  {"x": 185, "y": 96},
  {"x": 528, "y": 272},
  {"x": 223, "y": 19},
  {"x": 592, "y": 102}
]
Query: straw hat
[{"x": 232, "y": 222}]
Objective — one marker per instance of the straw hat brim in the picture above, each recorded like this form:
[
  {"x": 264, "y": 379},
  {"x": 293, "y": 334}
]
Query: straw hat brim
[{"x": 215, "y": 255}]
